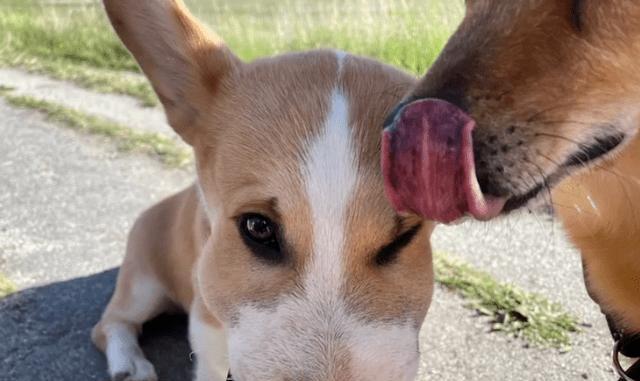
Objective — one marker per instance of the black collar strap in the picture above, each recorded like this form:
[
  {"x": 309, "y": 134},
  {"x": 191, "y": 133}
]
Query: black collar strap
[
  {"x": 631, "y": 374},
  {"x": 628, "y": 345}
]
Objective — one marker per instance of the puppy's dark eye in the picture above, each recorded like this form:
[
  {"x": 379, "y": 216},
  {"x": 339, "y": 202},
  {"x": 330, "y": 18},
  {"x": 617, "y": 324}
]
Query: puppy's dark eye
[{"x": 260, "y": 234}]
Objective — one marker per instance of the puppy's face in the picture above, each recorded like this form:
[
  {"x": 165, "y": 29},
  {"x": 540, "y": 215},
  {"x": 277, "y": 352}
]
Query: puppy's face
[
  {"x": 311, "y": 270},
  {"x": 552, "y": 85},
  {"x": 314, "y": 273}
]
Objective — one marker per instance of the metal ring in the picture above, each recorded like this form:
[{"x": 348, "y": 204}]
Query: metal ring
[{"x": 616, "y": 363}]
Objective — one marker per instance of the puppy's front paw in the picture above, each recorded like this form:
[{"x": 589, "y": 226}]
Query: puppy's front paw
[{"x": 135, "y": 370}]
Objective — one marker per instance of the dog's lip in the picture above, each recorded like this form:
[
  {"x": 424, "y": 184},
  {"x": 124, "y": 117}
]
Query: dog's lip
[
  {"x": 588, "y": 153},
  {"x": 517, "y": 202},
  {"x": 583, "y": 157}
]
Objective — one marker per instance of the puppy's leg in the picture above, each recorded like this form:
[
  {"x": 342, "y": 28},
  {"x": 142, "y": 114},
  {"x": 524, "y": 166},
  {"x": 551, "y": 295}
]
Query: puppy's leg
[
  {"x": 209, "y": 342},
  {"x": 138, "y": 297}
]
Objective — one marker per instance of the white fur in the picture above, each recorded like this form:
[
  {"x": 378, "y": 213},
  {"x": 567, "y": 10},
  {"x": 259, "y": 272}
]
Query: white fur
[
  {"x": 210, "y": 346},
  {"x": 330, "y": 178},
  {"x": 147, "y": 296},
  {"x": 374, "y": 347},
  {"x": 302, "y": 339},
  {"x": 340, "y": 56},
  {"x": 123, "y": 352},
  {"x": 125, "y": 357}
]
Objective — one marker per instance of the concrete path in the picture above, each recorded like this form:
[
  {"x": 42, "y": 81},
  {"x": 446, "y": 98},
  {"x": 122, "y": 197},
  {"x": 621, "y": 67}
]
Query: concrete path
[
  {"x": 118, "y": 108},
  {"x": 68, "y": 200}
]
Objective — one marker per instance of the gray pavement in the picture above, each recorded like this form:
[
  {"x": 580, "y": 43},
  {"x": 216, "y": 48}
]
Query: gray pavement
[
  {"x": 118, "y": 108},
  {"x": 67, "y": 201}
]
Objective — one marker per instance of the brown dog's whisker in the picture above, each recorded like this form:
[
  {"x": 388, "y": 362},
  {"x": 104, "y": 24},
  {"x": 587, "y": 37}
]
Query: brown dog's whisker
[{"x": 555, "y": 107}]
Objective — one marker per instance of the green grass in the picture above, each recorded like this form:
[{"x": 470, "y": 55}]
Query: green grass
[
  {"x": 75, "y": 42},
  {"x": 6, "y": 286},
  {"x": 513, "y": 311},
  {"x": 101, "y": 80},
  {"x": 125, "y": 138}
]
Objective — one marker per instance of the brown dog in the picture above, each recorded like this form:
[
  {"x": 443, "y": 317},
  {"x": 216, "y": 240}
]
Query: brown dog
[
  {"x": 285, "y": 253},
  {"x": 540, "y": 94}
]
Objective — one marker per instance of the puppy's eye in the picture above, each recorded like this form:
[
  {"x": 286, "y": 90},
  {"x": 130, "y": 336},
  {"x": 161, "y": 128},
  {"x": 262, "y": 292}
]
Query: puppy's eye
[
  {"x": 259, "y": 229},
  {"x": 260, "y": 234}
]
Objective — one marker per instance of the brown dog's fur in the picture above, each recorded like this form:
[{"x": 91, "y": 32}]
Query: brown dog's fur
[
  {"x": 552, "y": 84},
  {"x": 601, "y": 212}
]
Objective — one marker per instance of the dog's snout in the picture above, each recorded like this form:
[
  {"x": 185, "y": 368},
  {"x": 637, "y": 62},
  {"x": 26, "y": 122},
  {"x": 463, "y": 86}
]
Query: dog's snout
[
  {"x": 393, "y": 115},
  {"x": 450, "y": 88},
  {"x": 454, "y": 95}
]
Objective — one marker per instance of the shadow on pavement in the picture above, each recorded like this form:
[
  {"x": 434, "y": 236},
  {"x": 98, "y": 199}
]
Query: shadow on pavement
[{"x": 44, "y": 334}]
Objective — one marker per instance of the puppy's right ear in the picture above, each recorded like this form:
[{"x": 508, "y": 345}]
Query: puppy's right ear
[{"x": 185, "y": 63}]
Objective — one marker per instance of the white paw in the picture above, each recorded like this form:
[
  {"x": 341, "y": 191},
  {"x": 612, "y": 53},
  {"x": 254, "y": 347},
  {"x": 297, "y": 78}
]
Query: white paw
[{"x": 139, "y": 369}]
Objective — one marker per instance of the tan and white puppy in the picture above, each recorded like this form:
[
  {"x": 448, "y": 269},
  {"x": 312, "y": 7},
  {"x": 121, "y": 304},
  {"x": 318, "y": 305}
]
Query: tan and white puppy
[{"x": 286, "y": 254}]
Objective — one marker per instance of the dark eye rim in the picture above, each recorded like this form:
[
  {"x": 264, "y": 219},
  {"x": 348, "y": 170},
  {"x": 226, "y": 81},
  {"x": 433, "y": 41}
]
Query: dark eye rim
[
  {"x": 388, "y": 254},
  {"x": 577, "y": 14},
  {"x": 270, "y": 250}
]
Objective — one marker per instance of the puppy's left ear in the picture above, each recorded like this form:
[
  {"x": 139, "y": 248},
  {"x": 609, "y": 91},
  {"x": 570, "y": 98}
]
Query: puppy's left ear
[{"x": 186, "y": 64}]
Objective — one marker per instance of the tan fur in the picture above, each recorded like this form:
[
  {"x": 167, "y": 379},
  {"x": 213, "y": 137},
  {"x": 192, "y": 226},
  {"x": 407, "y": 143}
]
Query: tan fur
[
  {"x": 250, "y": 125},
  {"x": 601, "y": 211},
  {"x": 543, "y": 79}
]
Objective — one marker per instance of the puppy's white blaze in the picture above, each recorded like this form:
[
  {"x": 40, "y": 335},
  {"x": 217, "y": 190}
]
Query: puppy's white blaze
[
  {"x": 330, "y": 178},
  {"x": 340, "y": 56}
]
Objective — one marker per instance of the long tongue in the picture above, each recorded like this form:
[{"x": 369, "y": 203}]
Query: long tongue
[{"x": 428, "y": 164}]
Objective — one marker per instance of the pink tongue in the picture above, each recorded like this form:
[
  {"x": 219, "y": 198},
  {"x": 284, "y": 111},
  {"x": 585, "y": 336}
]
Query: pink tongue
[{"x": 428, "y": 164}]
